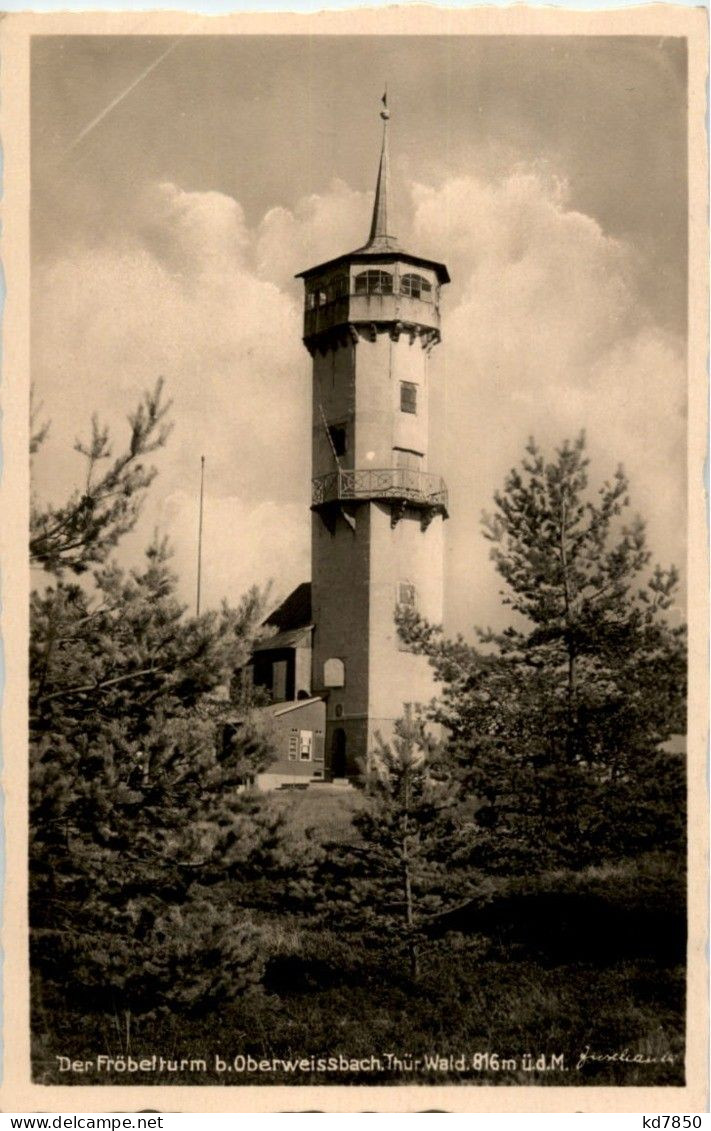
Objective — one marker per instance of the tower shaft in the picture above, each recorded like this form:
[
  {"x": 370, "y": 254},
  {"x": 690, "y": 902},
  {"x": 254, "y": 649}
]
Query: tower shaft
[{"x": 371, "y": 320}]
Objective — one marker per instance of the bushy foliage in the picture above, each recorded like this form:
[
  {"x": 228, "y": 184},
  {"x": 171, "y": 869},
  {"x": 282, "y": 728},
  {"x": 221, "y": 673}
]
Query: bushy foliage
[
  {"x": 147, "y": 846},
  {"x": 137, "y": 806},
  {"x": 557, "y": 724},
  {"x": 487, "y": 987}
]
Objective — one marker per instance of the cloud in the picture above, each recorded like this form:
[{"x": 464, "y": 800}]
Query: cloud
[
  {"x": 178, "y": 298},
  {"x": 243, "y": 545},
  {"x": 545, "y": 332},
  {"x": 320, "y": 227},
  {"x": 195, "y": 233}
]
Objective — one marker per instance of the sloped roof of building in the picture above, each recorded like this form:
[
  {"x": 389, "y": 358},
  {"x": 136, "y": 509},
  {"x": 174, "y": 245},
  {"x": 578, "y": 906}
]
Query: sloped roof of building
[
  {"x": 294, "y": 612},
  {"x": 292, "y": 638},
  {"x": 276, "y": 709}
]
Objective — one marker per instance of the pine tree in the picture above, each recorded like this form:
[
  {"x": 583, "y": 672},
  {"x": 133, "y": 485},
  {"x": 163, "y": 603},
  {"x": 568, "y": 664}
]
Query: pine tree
[
  {"x": 147, "y": 853},
  {"x": 557, "y": 724},
  {"x": 82, "y": 531},
  {"x": 400, "y": 872},
  {"x": 140, "y": 819}
]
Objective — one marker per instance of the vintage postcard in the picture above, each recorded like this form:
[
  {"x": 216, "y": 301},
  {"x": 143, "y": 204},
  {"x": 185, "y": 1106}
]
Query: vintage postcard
[{"x": 355, "y": 705}]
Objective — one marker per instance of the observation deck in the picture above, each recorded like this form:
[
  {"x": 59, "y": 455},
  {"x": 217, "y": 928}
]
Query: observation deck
[
  {"x": 399, "y": 485},
  {"x": 398, "y": 292}
]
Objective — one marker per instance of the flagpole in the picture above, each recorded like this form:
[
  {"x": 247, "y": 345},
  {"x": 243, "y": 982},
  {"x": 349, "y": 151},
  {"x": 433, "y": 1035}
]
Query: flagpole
[{"x": 199, "y": 557}]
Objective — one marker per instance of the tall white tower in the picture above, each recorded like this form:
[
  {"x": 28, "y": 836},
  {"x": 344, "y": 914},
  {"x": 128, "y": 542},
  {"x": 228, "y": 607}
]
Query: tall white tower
[{"x": 371, "y": 320}]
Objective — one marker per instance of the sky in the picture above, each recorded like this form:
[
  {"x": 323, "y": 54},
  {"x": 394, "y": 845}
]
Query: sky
[{"x": 170, "y": 213}]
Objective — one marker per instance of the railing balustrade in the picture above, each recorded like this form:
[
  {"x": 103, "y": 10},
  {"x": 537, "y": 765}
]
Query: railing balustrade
[{"x": 403, "y": 483}]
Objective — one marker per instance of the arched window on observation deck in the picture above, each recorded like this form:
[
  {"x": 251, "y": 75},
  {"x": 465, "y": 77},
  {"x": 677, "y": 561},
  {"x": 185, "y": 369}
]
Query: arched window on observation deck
[
  {"x": 416, "y": 286},
  {"x": 374, "y": 282}
]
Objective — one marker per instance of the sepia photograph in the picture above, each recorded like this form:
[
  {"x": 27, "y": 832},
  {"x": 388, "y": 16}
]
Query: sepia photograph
[{"x": 358, "y": 545}]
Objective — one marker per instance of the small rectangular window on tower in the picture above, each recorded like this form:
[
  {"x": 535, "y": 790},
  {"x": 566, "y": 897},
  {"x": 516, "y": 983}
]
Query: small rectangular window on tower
[
  {"x": 408, "y": 396},
  {"x": 407, "y": 599},
  {"x": 406, "y": 594},
  {"x": 339, "y": 438},
  {"x": 408, "y": 460}
]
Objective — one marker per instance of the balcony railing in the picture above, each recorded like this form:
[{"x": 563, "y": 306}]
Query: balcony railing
[{"x": 402, "y": 484}]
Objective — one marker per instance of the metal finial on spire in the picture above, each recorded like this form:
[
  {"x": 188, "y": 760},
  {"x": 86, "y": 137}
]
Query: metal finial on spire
[{"x": 379, "y": 238}]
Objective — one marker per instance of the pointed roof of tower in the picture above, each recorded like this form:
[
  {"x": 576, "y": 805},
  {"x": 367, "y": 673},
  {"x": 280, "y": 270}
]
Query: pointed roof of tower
[
  {"x": 381, "y": 244},
  {"x": 379, "y": 238}
]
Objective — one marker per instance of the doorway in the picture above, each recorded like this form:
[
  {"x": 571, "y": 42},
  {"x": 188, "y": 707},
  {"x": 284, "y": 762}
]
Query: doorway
[{"x": 338, "y": 753}]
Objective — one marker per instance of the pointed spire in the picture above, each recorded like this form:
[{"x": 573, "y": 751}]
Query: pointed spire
[{"x": 379, "y": 238}]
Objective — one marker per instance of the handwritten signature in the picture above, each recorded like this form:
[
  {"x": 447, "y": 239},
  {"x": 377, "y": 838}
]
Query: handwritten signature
[{"x": 621, "y": 1056}]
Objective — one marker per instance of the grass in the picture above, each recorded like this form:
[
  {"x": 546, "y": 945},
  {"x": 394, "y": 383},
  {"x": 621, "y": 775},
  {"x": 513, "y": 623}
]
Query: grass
[
  {"x": 549, "y": 966},
  {"x": 326, "y": 996},
  {"x": 327, "y": 811}
]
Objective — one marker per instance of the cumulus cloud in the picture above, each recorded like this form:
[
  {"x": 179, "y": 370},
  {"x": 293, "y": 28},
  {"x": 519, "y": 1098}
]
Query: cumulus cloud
[
  {"x": 177, "y": 298},
  {"x": 197, "y": 233},
  {"x": 544, "y": 333},
  {"x": 244, "y": 545},
  {"x": 321, "y": 226}
]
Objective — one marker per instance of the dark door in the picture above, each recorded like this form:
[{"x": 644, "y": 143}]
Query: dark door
[{"x": 338, "y": 753}]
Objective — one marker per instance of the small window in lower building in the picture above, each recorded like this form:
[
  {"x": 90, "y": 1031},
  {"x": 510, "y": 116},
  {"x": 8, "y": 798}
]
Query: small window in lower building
[
  {"x": 293, "y": 744},
  {"x": 306, "y": 742},
  {"x": 408, "y": 396},
  {"x": 318, "y": 746}
]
